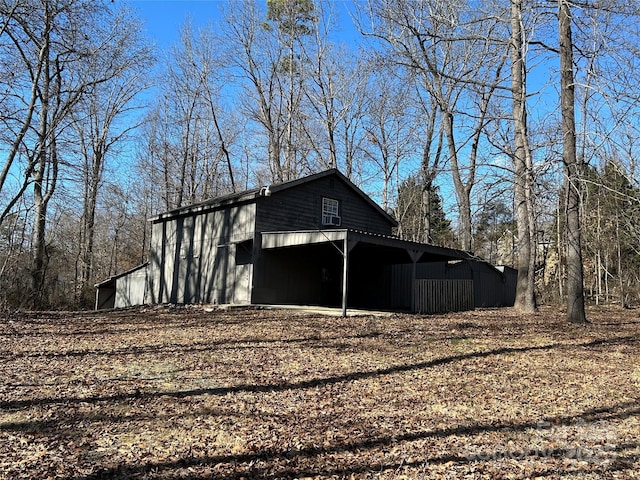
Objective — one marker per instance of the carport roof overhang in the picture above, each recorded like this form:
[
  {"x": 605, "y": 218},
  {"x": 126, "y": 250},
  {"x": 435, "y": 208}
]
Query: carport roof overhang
[
  {"x": 375, "y": 246},
  {"x": 418, "y": 252}
]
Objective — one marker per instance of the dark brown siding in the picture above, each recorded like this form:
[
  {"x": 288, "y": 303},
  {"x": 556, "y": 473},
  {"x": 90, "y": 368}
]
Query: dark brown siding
[
  {"x": 490, "y": 288},
  {"x": 300, "y": 208}
]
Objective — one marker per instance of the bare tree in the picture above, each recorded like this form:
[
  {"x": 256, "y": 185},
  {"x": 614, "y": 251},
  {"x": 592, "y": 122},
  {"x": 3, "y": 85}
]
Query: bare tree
[
  {"x": 605, "y": 42},
  {"x": 575, "y": 280},
  {"x": 104, "y": 118},
  {"x": 523, "y": 165},
  {"x": 292, "y": 21},
  {"x": 189, "y": 136},
  {"x": 461, "y": 68},
  {"x": 253, "y": 54},
  {"x": 213, "y": 85},
  {"x": 264, "y": 56},
  {"x": 389, "y": 127},
  {"x": 49, "y": 43},
  {"x": 18, "y": 107},
  {"x": 328, "y": 79},
  {"x": 184, "y": 108},
  {"x": 432, "y": 156},
  {"x": 54, "y": 48}
]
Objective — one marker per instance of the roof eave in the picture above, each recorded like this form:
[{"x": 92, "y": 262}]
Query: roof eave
[
  {"x": 122, "y": 274},
  {"x": 212, "y": 204}
]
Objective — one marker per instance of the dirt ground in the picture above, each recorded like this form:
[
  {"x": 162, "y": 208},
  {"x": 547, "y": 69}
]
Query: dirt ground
[{"x": 168, "y": 393}]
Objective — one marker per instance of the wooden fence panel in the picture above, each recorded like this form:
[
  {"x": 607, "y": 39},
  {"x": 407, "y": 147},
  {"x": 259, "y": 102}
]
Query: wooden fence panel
[{"x": 441, "y": 296}]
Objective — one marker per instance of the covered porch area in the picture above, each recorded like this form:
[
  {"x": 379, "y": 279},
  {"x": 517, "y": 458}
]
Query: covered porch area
[{"x": 343, "y": 269}]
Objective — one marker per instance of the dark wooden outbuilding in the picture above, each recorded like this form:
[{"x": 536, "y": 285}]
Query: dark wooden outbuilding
[{"x": 318, "y": 240}]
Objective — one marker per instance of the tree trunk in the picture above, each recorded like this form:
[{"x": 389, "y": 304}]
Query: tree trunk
[
  {"x": 89, "y": 217},
  {"x": 39, "y": 259},
  {"x": 462, "y": 190},
  {"x": 289, "y": 149},
  {"x": 44, "y": 186},
  {"x": 525, "y": 293},
  {"x": 575, "y": 273},
  {"x": 38, "y": 246},
  {"x": 623, "y": 299},
  {"x": 429, "y": 168},
  {"x": 223, "y": 143}
]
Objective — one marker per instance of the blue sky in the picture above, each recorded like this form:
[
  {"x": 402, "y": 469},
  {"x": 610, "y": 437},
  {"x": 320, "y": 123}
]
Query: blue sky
[{"x": 163, "y": 19}]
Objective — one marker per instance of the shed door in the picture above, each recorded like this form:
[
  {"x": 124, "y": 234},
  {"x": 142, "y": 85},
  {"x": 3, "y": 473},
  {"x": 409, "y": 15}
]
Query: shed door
[
  {"x": 242, "y": 290},
  {"x": 242, "y": 280}
]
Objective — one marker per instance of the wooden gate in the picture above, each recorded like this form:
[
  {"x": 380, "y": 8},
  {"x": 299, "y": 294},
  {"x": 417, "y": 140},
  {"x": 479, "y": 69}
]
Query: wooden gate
[{"x": 441, "y": 296}]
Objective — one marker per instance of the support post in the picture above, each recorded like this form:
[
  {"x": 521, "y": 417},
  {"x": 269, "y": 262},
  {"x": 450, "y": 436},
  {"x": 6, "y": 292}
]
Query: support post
[
  {"x": 413, "y": 286},
  {"x": 345, "y": 274},
  {"x": 415, "y": 256}
]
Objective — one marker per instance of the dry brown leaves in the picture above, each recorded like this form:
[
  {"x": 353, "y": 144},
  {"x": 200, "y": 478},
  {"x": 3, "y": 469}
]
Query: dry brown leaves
[{"x": 183, "y": 393}]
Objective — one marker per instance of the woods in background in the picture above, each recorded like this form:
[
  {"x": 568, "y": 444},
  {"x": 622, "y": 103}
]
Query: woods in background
[{"x": 502, "y": 127}]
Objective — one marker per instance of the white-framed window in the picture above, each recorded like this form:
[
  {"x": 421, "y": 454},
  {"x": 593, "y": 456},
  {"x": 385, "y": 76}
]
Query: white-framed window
[{"x": 330, "y": 212}]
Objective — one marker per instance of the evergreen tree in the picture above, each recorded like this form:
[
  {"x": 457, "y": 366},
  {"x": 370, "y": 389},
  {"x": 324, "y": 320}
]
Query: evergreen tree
[
  {"x": 420, "y": 220},
  {"x": 293, "y": 21},
  {"x": 496, "y": 232}
]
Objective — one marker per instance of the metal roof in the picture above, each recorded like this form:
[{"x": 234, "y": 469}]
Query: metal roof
[
  {"x": 112, "y": 278},
  {"x": 271, "y": 240}
]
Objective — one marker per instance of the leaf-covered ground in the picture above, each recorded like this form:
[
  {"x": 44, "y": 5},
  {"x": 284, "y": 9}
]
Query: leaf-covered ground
[{"x": 185, "y": 393}]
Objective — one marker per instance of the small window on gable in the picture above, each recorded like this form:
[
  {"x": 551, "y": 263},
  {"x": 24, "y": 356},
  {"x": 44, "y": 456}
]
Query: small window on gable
[{"x": 330, "y": 212}]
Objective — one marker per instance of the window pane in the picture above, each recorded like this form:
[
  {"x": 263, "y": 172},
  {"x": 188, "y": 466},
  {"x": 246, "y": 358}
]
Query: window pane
[{"x": 329, "y": 206}]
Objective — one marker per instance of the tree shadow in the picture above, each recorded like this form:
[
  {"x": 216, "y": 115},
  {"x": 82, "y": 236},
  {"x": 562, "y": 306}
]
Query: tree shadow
[
  {"x": 273, "y": 456},
  {"x": 252, "y": 343},
  {"x": 266, "y": 388},
  {"x": 303, "y": 384},
  {"x": 619, "y": 411},
  {"x": 72, "y": 324}
]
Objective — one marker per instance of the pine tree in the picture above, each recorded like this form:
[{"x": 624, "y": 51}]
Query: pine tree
[{"x": 419, "y": 222}]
